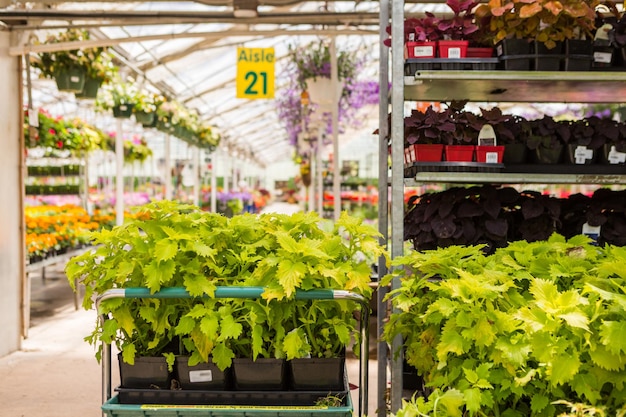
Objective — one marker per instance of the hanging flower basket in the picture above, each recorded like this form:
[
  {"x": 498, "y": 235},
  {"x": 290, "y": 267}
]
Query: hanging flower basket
[
  {"x": 123, "y": 111},
  {"x": 72, "y": 80},
  {"x": 90, "y": 88},
  {"x": 146, "y": 119},
  {"x": 321, "y": 92}
]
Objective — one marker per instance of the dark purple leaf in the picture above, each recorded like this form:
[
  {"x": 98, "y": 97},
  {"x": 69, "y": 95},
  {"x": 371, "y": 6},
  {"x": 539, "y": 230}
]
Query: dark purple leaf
[
  {"x": 469, "y": 208},
  {"x": 444, "y": 228},
  {"x": 497, "y": 227},
  {"x": 531, "y": 209}
]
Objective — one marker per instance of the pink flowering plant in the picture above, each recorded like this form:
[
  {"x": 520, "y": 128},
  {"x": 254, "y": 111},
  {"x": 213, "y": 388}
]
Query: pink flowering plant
[{"x": 313, "y": 61}]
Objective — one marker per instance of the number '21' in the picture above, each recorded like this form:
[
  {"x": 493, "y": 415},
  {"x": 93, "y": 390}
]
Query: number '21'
[{"x": 253, "y": 78}]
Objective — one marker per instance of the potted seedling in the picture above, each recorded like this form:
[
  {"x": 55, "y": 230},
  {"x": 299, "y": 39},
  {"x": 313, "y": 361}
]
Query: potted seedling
[
  {"x": 516, "y": 23},
  {"x": 458, "y": 29},
  {"x": 547, "y": 139}
]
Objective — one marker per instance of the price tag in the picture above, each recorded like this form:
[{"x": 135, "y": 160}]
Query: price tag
[
  {"x": 454, "y": 53},
  {"x": 582, "y": 154},
  {"x": 491, "y": 157},
  {"x": 423, "y": 51},
  {"x": 33, "y": 117},
  {"x": 616, "y": 157},
  {"x": 603, "y": 57},
  {"x": 201, "y": 376}
]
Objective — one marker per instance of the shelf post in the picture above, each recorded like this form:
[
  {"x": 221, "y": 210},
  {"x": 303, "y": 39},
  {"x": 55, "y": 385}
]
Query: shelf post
[
  {"x": 119, "y": 173},
  {"x": 397, "y": 176},
  {"x": 383, "y": 203}
]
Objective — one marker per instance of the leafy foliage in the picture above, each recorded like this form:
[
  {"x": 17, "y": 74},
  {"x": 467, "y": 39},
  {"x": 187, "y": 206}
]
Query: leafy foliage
[
  {"x": 518, "y": 332},
  {"x": 176, "y": 245}
]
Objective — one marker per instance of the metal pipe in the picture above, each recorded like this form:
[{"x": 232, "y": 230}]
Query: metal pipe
[
  {"x": 97, "y": 43},
  {"x": 397, "y": 177}
]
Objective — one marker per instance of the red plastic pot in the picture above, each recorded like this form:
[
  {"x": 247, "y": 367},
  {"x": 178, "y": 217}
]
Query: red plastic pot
[
  {"x": 489, "y": 154},
  {"x": 453, "y": 49},
  {"x": 427, "y": 152},
  {"x": 421, "y": 49},
  {"x": 459, "y": 153}
]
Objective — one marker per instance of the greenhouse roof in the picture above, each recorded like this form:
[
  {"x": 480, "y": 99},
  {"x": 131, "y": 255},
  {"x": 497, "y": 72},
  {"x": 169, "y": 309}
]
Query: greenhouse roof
[{"x": 187, "y": 50}]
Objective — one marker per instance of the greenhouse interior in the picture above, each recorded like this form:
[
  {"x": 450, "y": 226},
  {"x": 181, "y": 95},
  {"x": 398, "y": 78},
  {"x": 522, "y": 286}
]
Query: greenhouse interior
[{"x": 313, "y": 208}]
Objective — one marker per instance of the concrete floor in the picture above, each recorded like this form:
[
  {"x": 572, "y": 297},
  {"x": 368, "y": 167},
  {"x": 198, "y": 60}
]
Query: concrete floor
[{"x": 56, "y": 374}]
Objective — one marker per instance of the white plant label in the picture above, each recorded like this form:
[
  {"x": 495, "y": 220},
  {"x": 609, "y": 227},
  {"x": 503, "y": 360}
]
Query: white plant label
[
  {"x": 75, "y": 79},
  {"x": 591, "y": 231},
  {"x": 616, "y": 157},
  {"x": 487, "y": 136},
  {"x": 33, "y": 117},
  {"x": 582, "y": 153},
  {"x": 604, "y": 57},
  {"x": 201, "y": 376},
  {"x": 454, "y": 53},
  {"x": 123, "y": 107},
  {"x": 491, "y": 157},
  {"x": 423, "y": 51}
]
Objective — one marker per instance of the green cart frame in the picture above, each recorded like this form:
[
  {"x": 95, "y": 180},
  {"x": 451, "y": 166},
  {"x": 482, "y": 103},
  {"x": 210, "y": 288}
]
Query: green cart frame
[{"x": 112, "y": 408}]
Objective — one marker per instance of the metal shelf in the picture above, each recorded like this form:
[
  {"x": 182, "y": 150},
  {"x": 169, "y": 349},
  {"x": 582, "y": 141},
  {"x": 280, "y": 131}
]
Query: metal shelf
[
  {"x": 512, "y": 178},
  {"x": 517, "y": 86}
]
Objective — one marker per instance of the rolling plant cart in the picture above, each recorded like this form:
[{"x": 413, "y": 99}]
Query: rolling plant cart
[{"x": 235, "y": 403}]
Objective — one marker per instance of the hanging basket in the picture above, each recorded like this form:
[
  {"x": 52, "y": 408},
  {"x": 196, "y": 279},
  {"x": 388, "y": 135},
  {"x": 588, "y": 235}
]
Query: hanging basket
[
  {"x": 146, "y": 119},
  {"x": 123, "y": 111},
  {"x": 321, "y": 93},
  {"x": 90, "y": 88},
  {"x": 72, "y": 80}
]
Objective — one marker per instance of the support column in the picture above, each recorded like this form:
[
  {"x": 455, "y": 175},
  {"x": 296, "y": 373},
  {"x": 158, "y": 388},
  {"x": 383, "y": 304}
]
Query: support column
[
  {"x": 14, "y": 288},
  {"x": 119, "y": 173}
]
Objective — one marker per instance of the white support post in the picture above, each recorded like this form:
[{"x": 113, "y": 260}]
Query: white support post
[
  {"x": 168, "y": 168},
  {"x": 334, "y": 77},
  {"x": 214, "y": 159},
  {"x": 119, "y": 173},
  {"x": 196, "y": 176}
]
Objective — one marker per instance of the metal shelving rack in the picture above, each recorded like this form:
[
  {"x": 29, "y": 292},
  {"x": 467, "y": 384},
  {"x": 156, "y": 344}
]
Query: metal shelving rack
[{"x": 481, "y": 86}]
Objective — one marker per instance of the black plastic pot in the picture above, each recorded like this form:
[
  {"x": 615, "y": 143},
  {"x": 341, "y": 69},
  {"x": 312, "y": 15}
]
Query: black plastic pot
[
  {"x": 579, "y": 155},
  {"x": 261, "y": 375},
  {"x": 609, "y": 155},
  {"x": 203, "y": 376},
  {"x": 602, "y": 54},
  {"x": 147, "y": 372},
  {"x": 578, "y": 55},
  {"x": 547, "y": 59},
  {"x": 547, "y": 155},
  {"x": 515, "y": 153},
  {"x": 317, "y": 374},
  {"x": 514, "y": 54}
]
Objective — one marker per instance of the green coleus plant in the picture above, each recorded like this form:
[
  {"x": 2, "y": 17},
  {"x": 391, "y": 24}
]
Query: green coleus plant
[
  {"x": 520, "y": 331},
  {"x": 176, "y": 245}
]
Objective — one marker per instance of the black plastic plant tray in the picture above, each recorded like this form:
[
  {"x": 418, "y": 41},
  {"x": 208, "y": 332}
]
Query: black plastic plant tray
[
  {"x": 410, "y": 170},
  {"x": 240, "y": 398},
  {"x": 412, "y": 65}
]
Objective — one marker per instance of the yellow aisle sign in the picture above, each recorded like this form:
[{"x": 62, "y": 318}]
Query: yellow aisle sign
[{"x": 255, "y": 72}]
